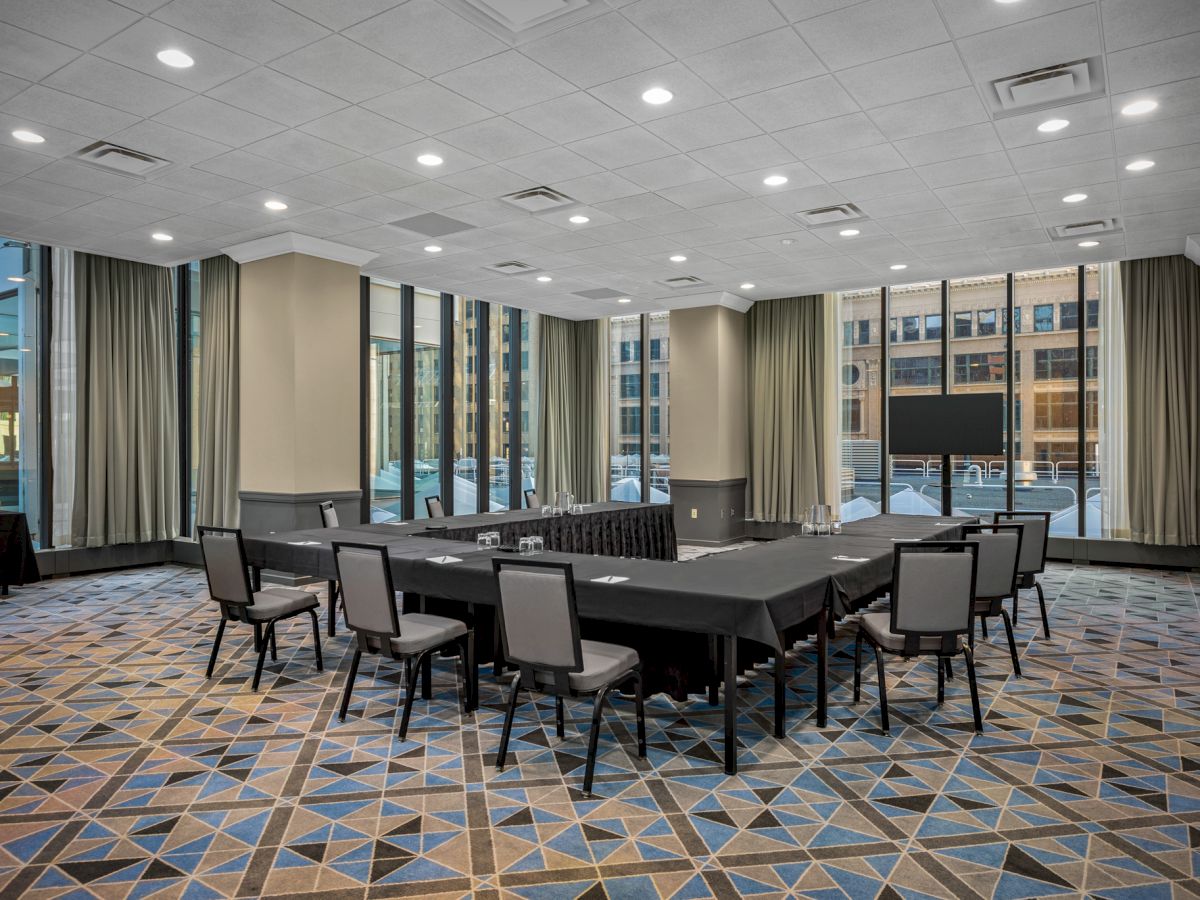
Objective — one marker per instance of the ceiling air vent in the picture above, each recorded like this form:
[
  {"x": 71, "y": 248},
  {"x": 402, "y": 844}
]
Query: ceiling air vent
[
  {"x": 599, "y": 294},
  {"x": 511, "y": 267},
  {"x": 431, "y": 225},
  {"x": 1083, "y": 229},
  {"x": 1051, "y": 86},
  {"x": 538, "y": 199},
  {"x": 830, "y": 215},
  {"x": 120, "y": 159},
  {"x": 683, "y": 281}
]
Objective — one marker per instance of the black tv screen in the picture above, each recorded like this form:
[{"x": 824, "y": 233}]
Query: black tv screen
[{"x": 946, "y": 425}]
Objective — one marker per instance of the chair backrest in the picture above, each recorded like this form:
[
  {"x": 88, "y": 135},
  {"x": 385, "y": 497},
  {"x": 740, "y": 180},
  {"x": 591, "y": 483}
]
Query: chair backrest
[
  {"x": 999, "y": 558},
  {"x": 433, "y": 506},
  {"x": 538, "y": 622},
  {"x": 1033, "y": 539},
  {"x": 933, "y": 591},
  {"x": 329, "y": 517},
  {"x": 226, "y": 569},
  {"x": 531, "y": 499},
  {"x": 365, "y": 574}
]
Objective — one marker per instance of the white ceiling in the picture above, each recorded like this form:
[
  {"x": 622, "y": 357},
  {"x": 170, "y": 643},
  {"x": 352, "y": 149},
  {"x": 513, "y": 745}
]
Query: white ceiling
[{"x": 882, "y": 103}]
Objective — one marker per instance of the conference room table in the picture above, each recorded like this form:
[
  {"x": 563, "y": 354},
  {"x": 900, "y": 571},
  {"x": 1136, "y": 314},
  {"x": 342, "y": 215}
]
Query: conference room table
[{"x": 756, "y": 594}]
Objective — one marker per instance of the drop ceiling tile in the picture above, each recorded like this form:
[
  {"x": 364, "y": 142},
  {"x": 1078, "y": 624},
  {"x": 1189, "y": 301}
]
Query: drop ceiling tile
[
  {"x": 598, "y": 188},
  {"x": 1064, "y": 178},
  {"x": 168, "y": 143},
  {"x": 318, "y": 190},
  {"x": 301, "y": 151},
  {"x": 969, "y": 140},
  {"x": 431, "y": 196},
  {"x": 797, "y": 104},
  {"x": 488, "y": 181},
  {"x": 505, "y": 82},
  {"x": 686, "y": 27},
  {"x": 360, "y": 130},
  {"x": 1163, "y": 183},
  {"x": 703, "y": 193},
  {"x": 428, "y": 107},
  {"x": 1050, "y": 203},
  {"x": 103, "y": 82},
  {"x": 454, "y": 160},
  {"x": 342, "y": 14},
  {"x": 382, "y": 210},
  {"x": 164, "y": 198},
  {"x": 247, "y": 167},
  {"x": 971, "y": 18},
  {"x": 570, "y": 118},
  {"x": 622, "y": 148},
  {"x": 79, "y": 23},
  {"x": 88, "y": 178},
  {"x": 969, "y": 168},
  {"x": 748, "y": 154},
  {"x": 696, "y": 129},
  {"x": 75, "y": 114},
  {"x": 625, "y": 94},
  {"x": 209, "y": 118},
  {"x": 906, "y": 224},
  {"x": 1158, "y": 134},
  {"x": 996, "y": 209},
  {"x": 1180, "y": 98},
  {"x": 371, "y": 175},
  {"x": 885, "y": 184},
  {"x": 1032, "y": 44},
  {"x": 1130, "y": 24},
  {"x": 1172, "y": 159},
  {"x": 1089, "y": 117},
  {"x": 206, "y": 184},
  {"x": 120, "y": 212},
  {"x": 843, "y": 132},
  {"x": 925, "y": 115},
  {"x": 276, "y": 97},
  {"x": 495, "y": 140},
  {"x": 261, "y": 31},
  {"x": 920, "y": 73},
  {"x": 31, "y": 56},
  {"x": 345, "y": 69},
  {"x": 780, "y": 57},
  {"x": 554, "y": 164},
  {"x": 858, "y": 163},
  {"x": 213, "y": 64},
  {"x": 327, "y": 222},
  {"x": 981, "y": 191},
  {"x": 56, "y": 195},
  {"x": 990, "y": 229},
  {"x": 638, "y": 207},
  {"x": 426, "y": 37},
  {"x": 1063, "y": 152},
  {"x": 872, "y": 31},
  {"x": 798, "y": 175},
  {"x": 571, "y": 52}
]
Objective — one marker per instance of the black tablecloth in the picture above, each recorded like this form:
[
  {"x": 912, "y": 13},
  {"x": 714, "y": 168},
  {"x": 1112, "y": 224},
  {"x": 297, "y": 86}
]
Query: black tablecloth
[{"x": 18, "y": 565}]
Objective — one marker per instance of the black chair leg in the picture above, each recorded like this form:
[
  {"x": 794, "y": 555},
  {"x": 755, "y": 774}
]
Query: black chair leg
[
  {"x": 1042, "y": 603},
  {"x": 974, "y": 689},
  {"x": 317, "y": 640},
  {"x": 560, "y": 727},
  {"x": 1012, "y": 644},
  {"x": 426, "y": 670},
  {"x": 949, "y": 668},
  {"x": 640, "y": 708},
  {"x": 883, "y": 707},
  {"x": 212, "y": 659},
  {"x": 593, "y": 740},
  {"x": 258, "y": 636},
  {"x": 270, "y": 636},
  {"x": 983, "y": 627},
  {"x": 349, "y": 684},
  {"x": 941, "y": 680},
  {"x": 508, "y": 721},
  {"x": 971, "y": 634},
  {"x": 267, "y": 638},
  {"x": 466, "y": 646},
  {"x": 411, "y": 693},
  {"x": 857, "y": 666},
  {"x": 1016, "y": 603}
]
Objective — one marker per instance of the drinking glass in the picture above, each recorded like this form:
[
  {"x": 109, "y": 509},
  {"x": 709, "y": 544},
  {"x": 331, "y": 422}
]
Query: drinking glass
[
  {"x": 525, "y": 546},
  {"x": 547, "y": 511},
  {"x": 536, "y": 544},
  {"x": 482, "y": 541}
]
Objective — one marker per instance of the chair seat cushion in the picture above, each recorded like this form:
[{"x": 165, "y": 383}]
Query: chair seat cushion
[
  {"x": 879, "y": 626},
  {"x": 419, "y": 631},
  {"x": 276, "y": 602},
  {"x": 601, "y": 664}
]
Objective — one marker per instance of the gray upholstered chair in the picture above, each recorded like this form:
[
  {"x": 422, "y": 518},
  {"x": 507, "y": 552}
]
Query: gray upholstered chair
[
  {"x": 433, "y": 506},
  {"x": 531, "y": 500},
  {"x": 996, "y": 576},
  {"x": 365, "y": 574},
  {"x": 1033, "y": 555},
  {"x": 229, "y": 585},
  {"x": 933, "y": 599},
  {"x": 329, "y": 516},
  {"x": 539, "y": 627}
]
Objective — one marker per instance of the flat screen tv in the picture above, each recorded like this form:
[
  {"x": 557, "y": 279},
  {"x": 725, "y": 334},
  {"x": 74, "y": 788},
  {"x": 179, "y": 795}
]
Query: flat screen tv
[{"x": 947, "y": 424}]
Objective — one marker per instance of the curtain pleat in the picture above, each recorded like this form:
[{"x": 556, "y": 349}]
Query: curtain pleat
[
  {"x": 1162, "y": 338},
  {"x": 1114, "y": 462},
  {"x": 573, "y": 409},
  {"x": 63, "y": 390},
  {"x": 126, "y": 461},
  {"x": 217, "y": 466},
  {"x": 787, "y": 381}
]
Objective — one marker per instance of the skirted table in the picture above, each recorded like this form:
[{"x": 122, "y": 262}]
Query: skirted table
[{"x": 18, "y": 565}]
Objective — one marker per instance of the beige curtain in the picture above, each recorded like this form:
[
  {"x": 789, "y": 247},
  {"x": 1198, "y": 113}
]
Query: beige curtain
[
  {"x": 217, "y": 465},
  {"x": 1114, "y": 407},
  {"x": 126, "y": 461},
  {"x": 1162, "y": 346},
  {"x": 64, "y": 382},
  {"x": 787, "y": 378},
  {"x": 832, "y": 304},
  {"x": 573, "y": 409}
]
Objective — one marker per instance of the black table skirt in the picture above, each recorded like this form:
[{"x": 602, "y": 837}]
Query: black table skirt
[{"x": 18, "y": 565}]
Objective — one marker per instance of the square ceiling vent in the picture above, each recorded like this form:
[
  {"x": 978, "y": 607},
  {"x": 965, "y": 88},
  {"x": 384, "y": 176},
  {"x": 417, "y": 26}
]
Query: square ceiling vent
[
  {"x": 113, "y": 158},
  {"x": 1089, "y": 228},
  {"x": 431, "y": 225},
  {"x": 830, "y": 215},
  {"x": 511, "y": 267},
  {"x": 681, "y": 282},
  {"x": 538, "y": 200},
  {"x": 1052, "y": 86}
]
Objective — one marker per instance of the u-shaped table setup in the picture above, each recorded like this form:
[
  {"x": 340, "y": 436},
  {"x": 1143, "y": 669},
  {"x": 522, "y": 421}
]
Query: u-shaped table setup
[{"x": 761, "y": 597}]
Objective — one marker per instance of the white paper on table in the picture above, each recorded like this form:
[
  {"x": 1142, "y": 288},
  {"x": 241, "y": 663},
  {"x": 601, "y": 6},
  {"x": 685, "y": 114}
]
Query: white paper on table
[
  {"x": 610, "y": 579},
  {"x": 495, "y": 512},
  {"x": 442, "y": 560},
  {"x": 898, "y": 540},
  {"x": 947, "y": 523},
  {"x": 852, "y": 558},
  {"x": 393, "y": 523},
  {"x": 305, "y": 543}
]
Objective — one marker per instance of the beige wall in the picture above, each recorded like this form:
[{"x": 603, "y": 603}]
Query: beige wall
[
  {"x": 299, "y": 375},
  {"x": 708, "y": 394}
]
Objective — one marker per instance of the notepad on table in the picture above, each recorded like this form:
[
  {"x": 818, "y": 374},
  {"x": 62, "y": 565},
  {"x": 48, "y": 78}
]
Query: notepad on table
[
  {"x": 442, "y": 560},
  {"x": 610, "y": 579},
  {"x": 852, "y": 558},
  {"x": 304, "y": 543},
  {"x": 898, "y": 540}
]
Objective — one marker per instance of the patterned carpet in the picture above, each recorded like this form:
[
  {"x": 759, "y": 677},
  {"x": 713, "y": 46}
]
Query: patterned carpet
[{"x": 123, "y": 773}]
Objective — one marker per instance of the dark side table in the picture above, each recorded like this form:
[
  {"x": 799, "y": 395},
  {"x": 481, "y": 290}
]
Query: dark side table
[{"x": 18, "y": 565}]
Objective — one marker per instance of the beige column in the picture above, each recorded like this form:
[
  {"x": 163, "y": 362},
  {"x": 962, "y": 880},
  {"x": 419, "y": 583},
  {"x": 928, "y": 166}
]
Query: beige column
[
  {"x": 300, "y": 346},
  {"x": 708, "y": 421}
]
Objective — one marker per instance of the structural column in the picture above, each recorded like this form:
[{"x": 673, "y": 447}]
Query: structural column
[
  {"x": 300, "y": 330},
  {"x": 708, "y": 421}
]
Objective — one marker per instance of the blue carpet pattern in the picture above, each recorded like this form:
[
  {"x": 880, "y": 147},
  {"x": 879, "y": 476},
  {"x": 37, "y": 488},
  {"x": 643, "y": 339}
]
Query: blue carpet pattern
[{"x": 125, "y": 774}]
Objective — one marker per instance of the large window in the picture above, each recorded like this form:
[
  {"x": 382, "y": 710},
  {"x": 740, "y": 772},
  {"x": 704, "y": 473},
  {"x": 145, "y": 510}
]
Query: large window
[
  {"x": 529, "y": 399},
  {"x": 386, "y": 426},
  {"x": 916, "y": 368},
  {"x": 20, "y": 481},
  {"x": 427, "y": 400},
  {"x": 639, "y": 407},
  {"x": 464, "y": 444},
  {"x": 862, "y": 390},
  {"x": 659, "y": 405},
  {"x": 500, "y": 360}
]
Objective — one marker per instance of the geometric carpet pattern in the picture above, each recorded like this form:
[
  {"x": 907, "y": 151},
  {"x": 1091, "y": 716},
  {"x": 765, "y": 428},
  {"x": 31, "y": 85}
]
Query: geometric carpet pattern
[{"x": 125, "y": 774}]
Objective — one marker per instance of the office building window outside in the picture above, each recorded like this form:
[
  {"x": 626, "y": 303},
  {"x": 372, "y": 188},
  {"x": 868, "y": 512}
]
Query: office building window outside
[
  {"x": 1043, "y": 317},
  {"x": 933, "y": 327},
  {"x": 20, "y": 475}
]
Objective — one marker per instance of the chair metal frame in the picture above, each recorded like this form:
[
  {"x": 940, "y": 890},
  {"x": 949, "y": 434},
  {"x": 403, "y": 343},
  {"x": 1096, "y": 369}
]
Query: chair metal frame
[
  {"x": 1029, "y": 579},
  {"x": 412, "y": 661},
  {"x": 233, "y": 610},
  {"x": 912, "y": 639},
  {"x": 996, "y": 602},
  {"x": 531, "y": 499},
  {"x": 429, "y": 501},
  {"x": 559, "y": 686}
]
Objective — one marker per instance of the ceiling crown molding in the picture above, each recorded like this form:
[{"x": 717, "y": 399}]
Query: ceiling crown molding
[
  {"x": 290, "y": 242},
  {"x": 1191, "y": 249}
]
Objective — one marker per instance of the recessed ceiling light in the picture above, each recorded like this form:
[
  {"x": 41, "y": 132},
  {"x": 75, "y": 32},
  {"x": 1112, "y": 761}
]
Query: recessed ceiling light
[
  {"x": 1051, "y": 125},
  {"x": 678, "y": 257},
  {"x": 1007, "y": 1},
  {"x": 623, "y": 300},
  {"x": 898, "y": 266},
  {"x": 17, "y": 278},
  {"x": 1139, "y": 107},
  {"x": 1139, "y": 165},
  {"x": 544, "y": 278},
  {"x": 29, "y": 137},
  {"x": 579, "y": 220},
  {"x": 748, "y": 286},
  {"x": 162, "y": 236},
  {"x": 429, "y": 159},
  {"x": 1089, "y": 243},
  {"x": 433, "y": 248},
  {"x": 775, "y": 180},
  {"x": 276, "y": 205},
  {"x": 658, "y": 96},
  {"x": 787, "y": 242},
  {"x": 176, "y": 59},
  {"x": 849, "y": 232},
  {"x": 1074, "y": 198}
]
